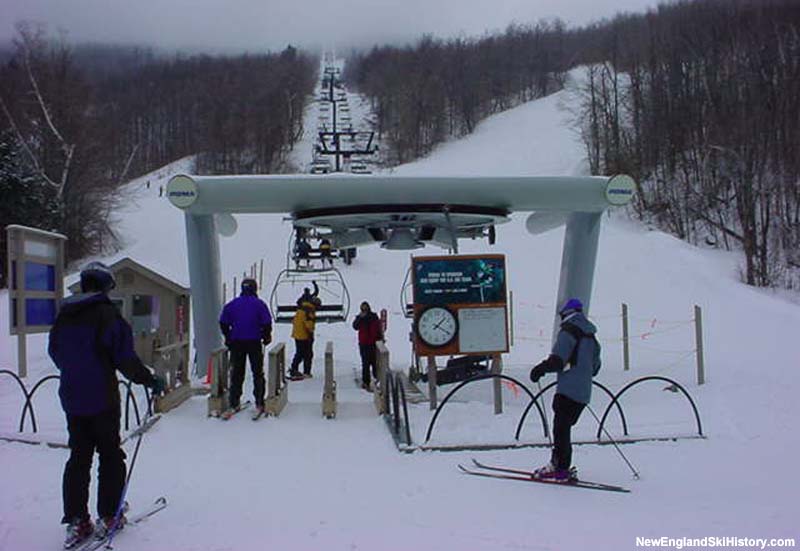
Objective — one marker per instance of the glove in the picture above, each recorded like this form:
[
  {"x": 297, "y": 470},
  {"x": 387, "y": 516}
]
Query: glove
[
  {"x": 159, "y": 385},
  {"x": 266, "y": 340},
  {"x": 538, "y": 372},
  {"x": 227, "y": 343}
]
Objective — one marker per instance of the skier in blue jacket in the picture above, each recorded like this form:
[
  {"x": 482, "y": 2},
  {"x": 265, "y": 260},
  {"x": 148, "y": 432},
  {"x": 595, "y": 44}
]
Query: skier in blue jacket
[
  {"x": 576, "y": 359},
  {"x": 89, "y": 341},
  {"x": 246, "y": 323}
]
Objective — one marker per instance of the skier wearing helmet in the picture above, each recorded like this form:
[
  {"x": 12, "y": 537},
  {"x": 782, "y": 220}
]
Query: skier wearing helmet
[
  {"x": 89, "y": 342},
  {"x": 577, "y": 349},
  {"x": 246, "y": 323}
]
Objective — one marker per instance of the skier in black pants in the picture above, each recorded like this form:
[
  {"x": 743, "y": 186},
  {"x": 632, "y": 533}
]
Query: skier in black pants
[
  {"x": 89, "y": 341},
  {"x": 246, "y": 323},
  {"x": 370, "y": 331},
  {"x": 576, "y": 347}
]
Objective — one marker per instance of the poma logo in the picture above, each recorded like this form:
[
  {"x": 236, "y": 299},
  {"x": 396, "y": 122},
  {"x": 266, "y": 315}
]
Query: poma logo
[{"x": 187, "y": 193}]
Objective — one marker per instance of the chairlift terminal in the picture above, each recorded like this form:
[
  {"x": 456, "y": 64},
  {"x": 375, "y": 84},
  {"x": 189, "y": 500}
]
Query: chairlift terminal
[{"x": 364, "y": 209}]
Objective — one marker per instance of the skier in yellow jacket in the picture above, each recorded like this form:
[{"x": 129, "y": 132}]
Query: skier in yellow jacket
[{"x": 303, "y": 335}]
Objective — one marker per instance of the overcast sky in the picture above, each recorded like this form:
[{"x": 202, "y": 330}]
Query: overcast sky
[{"x": 272, "y": 24}]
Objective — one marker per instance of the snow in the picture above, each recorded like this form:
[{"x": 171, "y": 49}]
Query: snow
[{"x": 303, "y": 482}]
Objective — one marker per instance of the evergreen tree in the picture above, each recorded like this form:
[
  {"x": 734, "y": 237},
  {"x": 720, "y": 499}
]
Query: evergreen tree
[{"x": 24, "y": 198}]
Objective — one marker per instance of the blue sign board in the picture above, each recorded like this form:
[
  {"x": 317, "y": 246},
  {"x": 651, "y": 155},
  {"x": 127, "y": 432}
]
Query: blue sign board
[
  {"x": 40, "y": 277},
  {"x": 36, "y": 260},
  {"x": 459, "y": 280},
  {"x": 40, "y": 311}
]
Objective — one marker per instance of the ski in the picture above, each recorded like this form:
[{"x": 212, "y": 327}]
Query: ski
[
  {"x": 527, "y": 476},
  {"x": 258, "y": 414},
  {"x": 94, "y": 544},
  {"x": 228, "y": 413},
  {"x": 574, "y": 484}
]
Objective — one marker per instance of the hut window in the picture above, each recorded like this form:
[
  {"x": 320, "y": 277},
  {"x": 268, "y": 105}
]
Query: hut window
[
  {"x": 120, "y": 304},
  {"x": 145, "y": 318}
]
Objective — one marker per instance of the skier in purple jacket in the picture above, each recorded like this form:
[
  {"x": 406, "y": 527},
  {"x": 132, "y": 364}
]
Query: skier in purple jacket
[
  {"x": 246, "y": 323},
  {"x": 89, "y": 341}
]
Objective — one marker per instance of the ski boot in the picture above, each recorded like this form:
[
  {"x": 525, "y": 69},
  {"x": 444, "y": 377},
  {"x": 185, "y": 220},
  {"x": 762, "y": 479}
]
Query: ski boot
[
  {"x": 258, "y": 413},
  {"x": 78, "y": 531},
  {"x": 106, "y": 525},
  {"x": 550, "y": 473}
]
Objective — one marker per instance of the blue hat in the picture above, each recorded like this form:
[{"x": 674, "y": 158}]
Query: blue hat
[
  {"x": 97, "y": 277},
  {"x": 572, "y": 305}
]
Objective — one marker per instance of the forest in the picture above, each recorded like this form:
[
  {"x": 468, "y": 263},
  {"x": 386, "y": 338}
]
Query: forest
[
  {"x": 78, "y": 122},
  {"x": 698, "y": 100}
]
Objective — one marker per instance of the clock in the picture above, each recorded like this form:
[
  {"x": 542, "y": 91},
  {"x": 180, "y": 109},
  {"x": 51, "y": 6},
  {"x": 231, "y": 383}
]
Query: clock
[{"x": 437, "y": 326}]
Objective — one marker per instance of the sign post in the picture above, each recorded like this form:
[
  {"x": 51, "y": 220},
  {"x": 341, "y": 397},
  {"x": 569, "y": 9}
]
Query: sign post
[{"x": 35, "y": 276}]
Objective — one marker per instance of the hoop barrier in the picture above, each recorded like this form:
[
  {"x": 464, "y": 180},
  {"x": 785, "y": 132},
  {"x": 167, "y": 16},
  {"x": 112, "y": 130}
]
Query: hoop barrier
[
  {"x": 534, "y": 401},
  {"x": 394, "y": 398},
  {"x": 27, "y": 408}
]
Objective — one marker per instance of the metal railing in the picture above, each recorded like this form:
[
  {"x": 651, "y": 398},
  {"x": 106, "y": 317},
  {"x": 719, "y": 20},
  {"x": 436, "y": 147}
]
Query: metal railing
[
  {"x": 614, "y": 403},
  {"x": 676, "y": 386},
  {"x": 483, "y": 377},
  {"x": 130, "y": 400},
  {"x": 397, "y": 418},
  {"x": 554, "y": 383}
]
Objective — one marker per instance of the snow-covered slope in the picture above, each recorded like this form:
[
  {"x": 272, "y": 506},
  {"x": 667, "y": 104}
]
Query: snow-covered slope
[{"x": 302, "y": 482}]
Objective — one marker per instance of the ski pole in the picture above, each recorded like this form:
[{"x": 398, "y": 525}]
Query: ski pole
[
  {"x": 121, "y": 504},
  {"x": 633, "y": 470}
]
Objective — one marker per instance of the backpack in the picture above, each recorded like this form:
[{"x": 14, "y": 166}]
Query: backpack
[{"x": 578, "y": 334}]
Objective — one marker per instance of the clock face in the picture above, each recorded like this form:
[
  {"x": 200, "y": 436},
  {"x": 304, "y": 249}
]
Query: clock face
[{"x": 437, "y": 326}]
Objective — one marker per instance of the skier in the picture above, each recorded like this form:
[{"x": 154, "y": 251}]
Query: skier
[
  {"x": 89, "y": 341},
  {"x": 246, "y": 323},
  {"x": 303, "y": 325},
  {"x": 370, "y": 332},
  {"x": 326, "y": 252},
  {"x": 302, "y": 250},
  {"x": 576, "y": 346},
  {"x": 307, "y": 295}
]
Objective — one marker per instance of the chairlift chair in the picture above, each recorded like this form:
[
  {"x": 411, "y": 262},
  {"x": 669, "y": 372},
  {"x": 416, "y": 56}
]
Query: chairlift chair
[
  {"x": 315, "y": 258},
  {"x": 358, "y": 166},
  {"x": 291, "y": 282},
  {"x": 290, "y": 285},
  {"x": 320, "y": 167}
]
